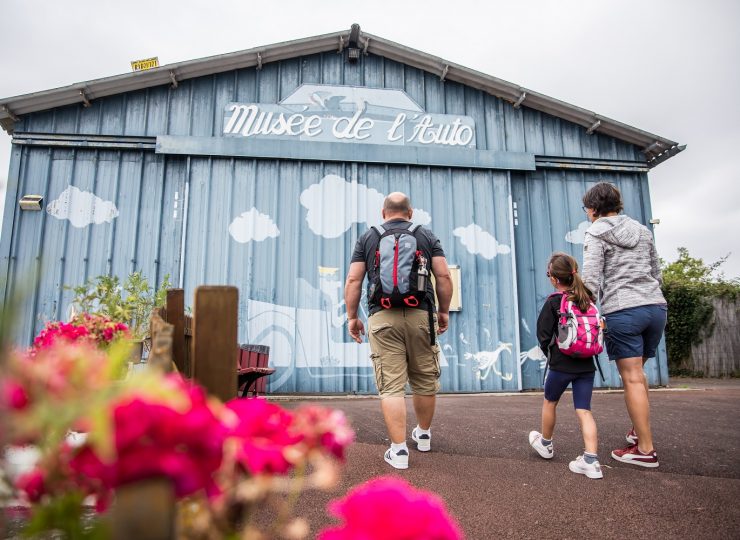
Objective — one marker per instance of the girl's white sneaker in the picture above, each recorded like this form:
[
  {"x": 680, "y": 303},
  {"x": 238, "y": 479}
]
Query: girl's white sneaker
[
  {"x": 591, "y": 470},
  {"x": 535, "y": 441}
]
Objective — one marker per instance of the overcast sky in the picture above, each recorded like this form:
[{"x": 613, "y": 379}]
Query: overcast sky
[{"x": 668, "y": 67}]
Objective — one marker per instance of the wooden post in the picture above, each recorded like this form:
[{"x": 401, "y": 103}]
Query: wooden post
[
  {"x": 176, "y": 317},
  {"x": 144, "y": 510},
  {"x": 160, "y": 357},
  {"x": 215, "y": 339}
]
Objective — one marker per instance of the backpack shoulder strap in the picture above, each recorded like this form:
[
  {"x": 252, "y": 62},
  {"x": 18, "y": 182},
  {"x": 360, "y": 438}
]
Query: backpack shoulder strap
[
  {"x": 378, "y": 229},
  {"x": 564, "y": 303},
  {"x": 414, "y": 227}
]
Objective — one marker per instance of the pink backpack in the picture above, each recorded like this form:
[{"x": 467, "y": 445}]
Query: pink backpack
[{"x": 579, "y": 334}]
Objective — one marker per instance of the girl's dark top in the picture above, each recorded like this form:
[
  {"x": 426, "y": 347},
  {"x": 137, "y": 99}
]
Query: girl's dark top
[{"x": 547, "y": 324}]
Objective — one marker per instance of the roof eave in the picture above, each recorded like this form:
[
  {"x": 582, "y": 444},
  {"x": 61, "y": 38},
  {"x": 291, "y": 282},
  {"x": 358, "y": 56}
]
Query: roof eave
[{"x": 10, "y": 108}]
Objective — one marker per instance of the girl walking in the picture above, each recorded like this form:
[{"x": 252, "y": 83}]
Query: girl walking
[{"x": 564, "y": 370}]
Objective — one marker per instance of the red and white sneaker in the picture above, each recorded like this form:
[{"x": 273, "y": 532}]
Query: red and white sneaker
[
  {"x": 634, "y": 456},
  {"x": 631, "y": 436}
]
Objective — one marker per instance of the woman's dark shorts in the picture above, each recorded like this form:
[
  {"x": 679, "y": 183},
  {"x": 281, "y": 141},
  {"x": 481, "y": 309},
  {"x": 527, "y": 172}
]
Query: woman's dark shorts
[
  {"x": 635, "y": 332},
  {"x": 583, "y": 386}
]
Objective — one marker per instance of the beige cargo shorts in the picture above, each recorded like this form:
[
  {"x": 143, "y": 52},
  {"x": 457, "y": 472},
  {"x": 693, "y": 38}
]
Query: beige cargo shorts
[{"x": 401, "y": 352}]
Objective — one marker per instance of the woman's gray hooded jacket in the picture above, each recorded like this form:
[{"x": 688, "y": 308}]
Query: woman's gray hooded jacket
[{"x": 620, "y": 264}]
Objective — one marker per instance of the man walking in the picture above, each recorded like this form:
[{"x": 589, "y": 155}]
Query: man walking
[{"x": 401, "y": 326}]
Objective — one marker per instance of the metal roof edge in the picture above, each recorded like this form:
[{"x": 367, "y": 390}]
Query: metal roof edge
[{"x": 652, "y": 145}]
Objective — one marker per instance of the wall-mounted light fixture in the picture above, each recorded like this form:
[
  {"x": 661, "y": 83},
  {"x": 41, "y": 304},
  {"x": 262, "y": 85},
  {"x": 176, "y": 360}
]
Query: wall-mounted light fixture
[
  {"x": 31, "y": 202},
  {"x": 353, "y": 48},
  {"x": 655, "y": 221}
]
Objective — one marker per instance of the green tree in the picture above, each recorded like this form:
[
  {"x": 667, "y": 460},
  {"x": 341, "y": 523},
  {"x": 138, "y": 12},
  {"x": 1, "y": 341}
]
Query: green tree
[{"x": 689, "y": 284}]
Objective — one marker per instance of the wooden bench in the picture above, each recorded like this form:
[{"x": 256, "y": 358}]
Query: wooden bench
[
  {"x": 204, "y": 345},
  {"x": 252, "y": 369}
]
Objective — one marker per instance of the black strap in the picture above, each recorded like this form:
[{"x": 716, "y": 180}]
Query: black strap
[{"x": 598, "y": 366}]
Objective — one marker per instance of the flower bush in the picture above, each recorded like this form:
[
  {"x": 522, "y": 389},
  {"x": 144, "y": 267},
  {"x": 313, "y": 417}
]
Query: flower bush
[
  {"x": 96, "y": 329},
  {"x": 228, "y": 463}
]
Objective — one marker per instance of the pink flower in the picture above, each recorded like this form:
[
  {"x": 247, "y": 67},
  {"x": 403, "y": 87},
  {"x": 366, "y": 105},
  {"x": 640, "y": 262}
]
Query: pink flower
[
  {"x": 14, "y": 396},
  {"x": 32, "y": 484},
  {"x": 154, "y": 439},
  {"x": 323, "y": 428},
  {"x": 388, "y": 508},
  {"x": 263, "y": 434}
]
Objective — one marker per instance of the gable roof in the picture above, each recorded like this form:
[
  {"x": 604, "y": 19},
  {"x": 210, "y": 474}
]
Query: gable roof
[{"x": 656, "y": 148}]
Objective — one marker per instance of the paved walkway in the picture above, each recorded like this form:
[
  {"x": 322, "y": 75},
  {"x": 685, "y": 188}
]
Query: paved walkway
[{"x": 496, "y": 485}]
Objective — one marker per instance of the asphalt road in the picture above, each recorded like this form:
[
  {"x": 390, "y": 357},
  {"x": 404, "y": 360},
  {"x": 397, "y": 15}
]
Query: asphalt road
[{"x": 498, "y": 487}]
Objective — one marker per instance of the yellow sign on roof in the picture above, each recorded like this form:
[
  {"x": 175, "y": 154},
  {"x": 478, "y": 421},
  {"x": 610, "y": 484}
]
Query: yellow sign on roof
[{"x": 146, "y": 63}]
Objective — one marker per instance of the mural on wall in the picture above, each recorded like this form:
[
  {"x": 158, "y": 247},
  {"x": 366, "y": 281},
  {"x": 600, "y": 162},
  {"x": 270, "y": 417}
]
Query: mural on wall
[
  {"x": 253, "y": 225},
  {"x": 353, "y": 202},
  {"x": 526, "y": 326},
  {"x": 480, "y": 242},
  {"x": 536, "y": 355},
  {"x": 487, "y": 362},
  {"x": 578, "y": 235},
  {"x": 82, "y": 208},
  {"x": 311, "y": 334}
]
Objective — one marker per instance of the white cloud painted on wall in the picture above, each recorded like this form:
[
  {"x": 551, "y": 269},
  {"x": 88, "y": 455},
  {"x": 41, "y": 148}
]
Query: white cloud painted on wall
[
  {"x": 82, "y": 208},
  {"x": 334, "y": 205},
  {"x": 421, "y": 217},
  {"x": 253, "y": 225},
  {"x": 480, "y": 242},
  {"x": 577, "y": 235}
]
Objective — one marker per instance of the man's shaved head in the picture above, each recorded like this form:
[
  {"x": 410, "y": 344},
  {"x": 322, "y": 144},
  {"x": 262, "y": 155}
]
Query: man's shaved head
[{"x": 397, "y": 204}]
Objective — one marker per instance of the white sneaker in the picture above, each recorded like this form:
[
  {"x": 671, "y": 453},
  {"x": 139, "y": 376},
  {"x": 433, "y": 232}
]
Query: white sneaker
[
  {"x": 423, "y": 441},
  {"x": 579, "y": 466},
  {"x": 398, "y": 460},
  {"x": 535, "y": 441}
]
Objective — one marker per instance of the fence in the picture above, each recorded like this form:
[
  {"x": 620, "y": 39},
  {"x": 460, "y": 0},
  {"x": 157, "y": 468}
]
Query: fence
[{"x": 718, "y": 354}]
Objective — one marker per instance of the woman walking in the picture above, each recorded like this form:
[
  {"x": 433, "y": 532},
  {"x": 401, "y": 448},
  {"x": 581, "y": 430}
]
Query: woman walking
[{"x": 620, "y": 262}]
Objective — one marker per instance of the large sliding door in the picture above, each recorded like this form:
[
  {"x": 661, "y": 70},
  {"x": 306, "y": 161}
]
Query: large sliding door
[{"x": 283, "y": 232}]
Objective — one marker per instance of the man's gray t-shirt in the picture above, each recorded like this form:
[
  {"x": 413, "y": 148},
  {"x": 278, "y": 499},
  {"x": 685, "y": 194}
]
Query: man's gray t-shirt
[{"x": 367, "y": 244}]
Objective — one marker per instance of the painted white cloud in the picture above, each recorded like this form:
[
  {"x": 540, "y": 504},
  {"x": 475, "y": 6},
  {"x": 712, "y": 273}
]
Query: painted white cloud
[
  {"x": 577, "y": 235},
  {"x": 82, "y": 208},
  {"x": 421, "y": 217},
  {"x": 253, "y": 225},
  {"x": 480, "y": 242},
  {"x": 334, "y": 205}
]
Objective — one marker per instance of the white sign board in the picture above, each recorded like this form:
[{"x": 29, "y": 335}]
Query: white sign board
[{"x": 348, "y": 114}]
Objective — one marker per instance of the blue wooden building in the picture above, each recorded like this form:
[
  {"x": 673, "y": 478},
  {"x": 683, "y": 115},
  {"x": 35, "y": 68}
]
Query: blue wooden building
[{"x": 260, "y": 168}]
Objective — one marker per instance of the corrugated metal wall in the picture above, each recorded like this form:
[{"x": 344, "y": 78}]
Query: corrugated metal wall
[
  {"x": 290, "y": 283},
  {"x": 145, "y": 235},
  {"x": 550, "y": 218}
]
